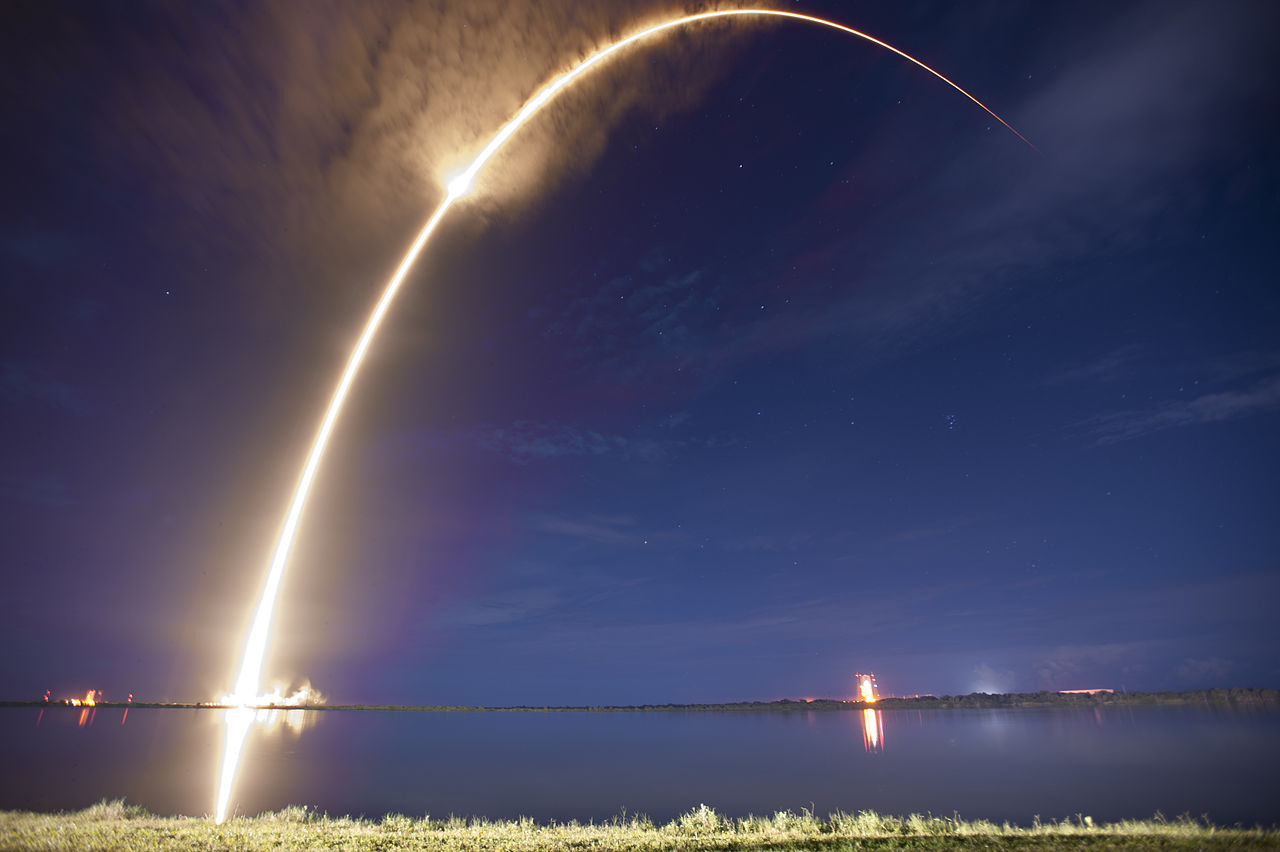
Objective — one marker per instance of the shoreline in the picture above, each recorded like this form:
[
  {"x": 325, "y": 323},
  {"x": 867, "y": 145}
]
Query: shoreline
[{"x": 1235, "y": 698}]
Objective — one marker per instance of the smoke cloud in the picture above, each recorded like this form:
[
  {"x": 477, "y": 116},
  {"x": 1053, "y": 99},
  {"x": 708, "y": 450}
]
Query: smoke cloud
[{"x": 326, "y": 131}]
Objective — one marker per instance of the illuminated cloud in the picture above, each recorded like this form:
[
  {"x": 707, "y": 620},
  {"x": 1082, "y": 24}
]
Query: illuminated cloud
[
  {"x": 322, "y": 134},
  {"x": 527, "y": 441}
]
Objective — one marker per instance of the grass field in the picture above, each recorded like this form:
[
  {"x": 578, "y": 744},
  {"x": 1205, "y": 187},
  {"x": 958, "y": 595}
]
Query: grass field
[{"x": 116, "y": 826}]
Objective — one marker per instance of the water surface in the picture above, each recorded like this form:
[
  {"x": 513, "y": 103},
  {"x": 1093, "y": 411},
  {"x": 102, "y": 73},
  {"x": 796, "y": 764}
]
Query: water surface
[{"x": 1010, "y": 765}]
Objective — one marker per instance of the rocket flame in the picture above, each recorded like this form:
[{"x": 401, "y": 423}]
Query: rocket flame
[
  {"x": 867, "y": 687},
  {"x": 246, "y": 687}
]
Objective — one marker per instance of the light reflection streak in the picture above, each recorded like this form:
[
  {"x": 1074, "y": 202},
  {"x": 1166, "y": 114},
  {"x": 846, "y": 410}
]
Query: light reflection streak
[
  {"x": 238, "y": 720},
  {"x": 245, "y": 693},
  {"x": 872, "y": 731},
  {"x": 295, "y": 720}
]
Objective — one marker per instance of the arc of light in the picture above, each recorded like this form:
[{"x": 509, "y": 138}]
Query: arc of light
[{"x": 247, "y": 684}]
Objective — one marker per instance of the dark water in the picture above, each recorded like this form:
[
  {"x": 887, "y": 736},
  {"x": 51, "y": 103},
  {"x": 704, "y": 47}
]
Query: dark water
[{"x": 993, "y": 764}]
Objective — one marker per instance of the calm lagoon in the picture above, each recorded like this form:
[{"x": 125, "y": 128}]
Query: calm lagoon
[{"x": 1010, "y": 765}]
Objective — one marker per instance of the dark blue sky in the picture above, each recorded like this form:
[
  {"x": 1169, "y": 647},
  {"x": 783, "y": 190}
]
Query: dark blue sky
[{"x": 762, "y": 359}]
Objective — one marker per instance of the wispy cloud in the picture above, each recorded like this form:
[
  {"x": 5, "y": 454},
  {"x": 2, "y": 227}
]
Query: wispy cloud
[
  {"x": 600, "y": 529},
  {"x": 1203, "y": 669},
  {"x": 768, "y": 543},
  {"x": 1109, "y": 366},
  {"x": 1120, "y": 127},
  {"x": 992, "y": 680},
  {"x": 528, "y": 441},
  {"x": 35, "y": 490},
  {"x": 314, "y": 135},
  {"x": 655, "y": 310},
  {"x": 23, "y": 384},
  {"x": 505, "y": 608},
  {"x": 35, "y": 247},
  {"x": 1078, "y": 666},
  {"x": 1125, "y": 425}
]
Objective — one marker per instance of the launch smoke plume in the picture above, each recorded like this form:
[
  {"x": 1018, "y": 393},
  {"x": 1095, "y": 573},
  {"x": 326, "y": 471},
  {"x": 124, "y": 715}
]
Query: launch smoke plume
[{"x": 246, "y": 688}]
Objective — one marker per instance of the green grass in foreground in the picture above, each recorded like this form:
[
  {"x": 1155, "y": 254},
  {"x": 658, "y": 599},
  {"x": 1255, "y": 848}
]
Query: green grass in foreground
[{"x": 115, "y": 825}]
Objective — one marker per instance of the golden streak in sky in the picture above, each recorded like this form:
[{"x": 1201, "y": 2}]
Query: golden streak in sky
[{"x": 246, "y": 688}]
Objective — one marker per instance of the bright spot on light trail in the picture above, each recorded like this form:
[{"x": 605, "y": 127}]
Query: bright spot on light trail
[
  {"x": 460, "y": 185},
  {"x": 247, "y": 685}
]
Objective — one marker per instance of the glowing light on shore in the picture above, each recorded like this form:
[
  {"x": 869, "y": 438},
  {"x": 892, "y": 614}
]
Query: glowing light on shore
[
  {"x": 867, "y": 687},
  {"x": 245, "y": 693}
]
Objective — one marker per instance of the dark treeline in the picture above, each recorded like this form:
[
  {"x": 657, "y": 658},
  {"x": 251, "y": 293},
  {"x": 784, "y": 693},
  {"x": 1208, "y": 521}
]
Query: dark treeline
[
  {"x": 1221, "y": 697},
  {"x": 1240, "y": 697}
]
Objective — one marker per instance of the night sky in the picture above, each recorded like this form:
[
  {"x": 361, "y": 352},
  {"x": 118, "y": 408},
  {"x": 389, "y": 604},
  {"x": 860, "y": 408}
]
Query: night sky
[{"x": 761, "y": 359}]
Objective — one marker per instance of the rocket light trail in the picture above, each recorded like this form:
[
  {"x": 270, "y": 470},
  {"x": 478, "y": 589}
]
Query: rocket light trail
[{"x": 245, "y": 694}]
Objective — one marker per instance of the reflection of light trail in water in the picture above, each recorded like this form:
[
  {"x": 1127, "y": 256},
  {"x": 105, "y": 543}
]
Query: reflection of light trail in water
[
  {"x": 239, "y": 720},
  {"x": 872, "y": 730},
  {"x": 247, "y": 684}
]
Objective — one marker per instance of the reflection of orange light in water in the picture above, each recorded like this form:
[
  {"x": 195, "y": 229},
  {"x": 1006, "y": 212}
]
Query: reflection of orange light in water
[
  {"x": 295, "y": 720},
  {"x": 239, "y": 720},
  {"x": 872, "y": 730},
  {"x": 89, "y": 703},
  {"x": 274, "y": 710}
]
